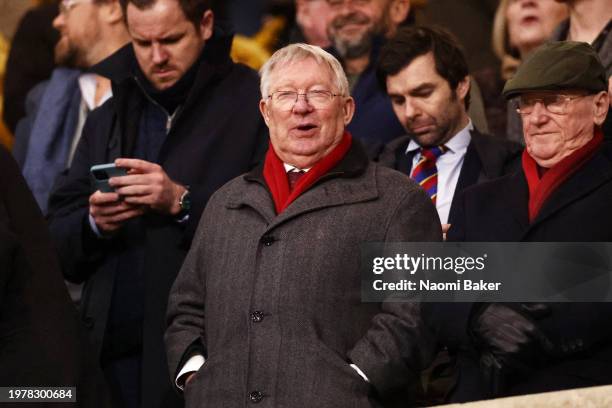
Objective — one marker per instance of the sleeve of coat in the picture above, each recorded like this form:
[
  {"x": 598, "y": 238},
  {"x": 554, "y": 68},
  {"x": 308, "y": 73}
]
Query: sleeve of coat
[
  {"x": 77, "y": 245},
  {"x": 397, "y": 346}
]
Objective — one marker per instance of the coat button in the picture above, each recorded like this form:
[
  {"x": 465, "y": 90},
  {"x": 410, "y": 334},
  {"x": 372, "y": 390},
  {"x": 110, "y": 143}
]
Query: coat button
[
  {"x": 257, "y": 316},
  {"x": 255, "y": 396},
  {"x": 267, "y": 240}
]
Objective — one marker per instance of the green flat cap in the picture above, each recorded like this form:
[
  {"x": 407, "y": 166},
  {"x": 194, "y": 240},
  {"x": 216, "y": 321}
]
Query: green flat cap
[{"x": 560, "y": 65}]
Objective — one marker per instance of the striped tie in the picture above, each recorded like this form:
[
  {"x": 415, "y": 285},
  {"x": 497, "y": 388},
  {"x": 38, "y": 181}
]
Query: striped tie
[{"x": 426, "y": 173}]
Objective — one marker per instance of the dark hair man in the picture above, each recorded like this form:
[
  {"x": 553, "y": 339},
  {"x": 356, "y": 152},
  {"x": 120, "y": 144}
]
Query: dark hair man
[
  {"x": 426, "y": 77},
  {"x": 562, "y": 193},
  {"x": 182, "y": 122},
  {"x": 269, "y": 295}
]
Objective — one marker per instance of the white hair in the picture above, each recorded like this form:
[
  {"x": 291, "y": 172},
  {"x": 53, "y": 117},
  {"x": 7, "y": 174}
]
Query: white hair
[{"x": 301, "y": 52}]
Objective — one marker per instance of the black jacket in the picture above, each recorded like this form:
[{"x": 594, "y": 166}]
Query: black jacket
[
  {"x": 217, "y": 135},
  {"x": 42, "y": 342},
  {"x": 487, "y": 158},
  {"x": 578, "y": 211}
]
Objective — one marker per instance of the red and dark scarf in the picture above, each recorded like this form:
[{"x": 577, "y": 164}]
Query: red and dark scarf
[
  {"x": 276, "y": 176},
  {"x": 540, "y": 188}
]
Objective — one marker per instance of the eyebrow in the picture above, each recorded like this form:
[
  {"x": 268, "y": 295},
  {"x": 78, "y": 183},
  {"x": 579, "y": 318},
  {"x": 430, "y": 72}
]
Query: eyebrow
[{"x": 423, "y": 87}]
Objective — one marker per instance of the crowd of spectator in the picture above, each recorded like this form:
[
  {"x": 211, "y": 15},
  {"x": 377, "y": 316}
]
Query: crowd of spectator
[{"x": 207, "y": 219}]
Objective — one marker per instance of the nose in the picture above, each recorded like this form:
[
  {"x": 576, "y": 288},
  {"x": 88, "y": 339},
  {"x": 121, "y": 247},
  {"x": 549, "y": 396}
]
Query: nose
[
  {"x": 411, "y": 111},
  {"x": 539, "y": 114},
  {"x": 59, "y": 21},
  {"x": 160, "y": 56},
  {"x": 302, "y": 106}
]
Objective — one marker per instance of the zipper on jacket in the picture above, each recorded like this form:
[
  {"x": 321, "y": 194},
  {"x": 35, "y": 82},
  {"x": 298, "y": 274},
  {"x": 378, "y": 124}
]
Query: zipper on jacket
[{"x": 169, "y": 118}]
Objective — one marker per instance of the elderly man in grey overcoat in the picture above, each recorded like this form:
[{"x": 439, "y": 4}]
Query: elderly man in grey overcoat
[{"x": 266, "y": 309}]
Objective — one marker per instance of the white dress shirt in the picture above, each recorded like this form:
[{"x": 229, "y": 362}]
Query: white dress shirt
[
  {"x": 87, "y": 84},
  {"x": 449, "y": 167}
]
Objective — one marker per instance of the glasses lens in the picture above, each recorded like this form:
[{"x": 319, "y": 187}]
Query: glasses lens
[
  {"x": 284, "y": 99},
  {"x": 555, "y": 103},
  {"x": 319, "y": 99}
]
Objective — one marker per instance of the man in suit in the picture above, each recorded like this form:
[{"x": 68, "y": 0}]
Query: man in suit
[
  {"x": 182, "y": 121},
  {"x": 266, "y": 308},
  {"x": 562, "y": 193},
  {"x": 426, "y": 77}
]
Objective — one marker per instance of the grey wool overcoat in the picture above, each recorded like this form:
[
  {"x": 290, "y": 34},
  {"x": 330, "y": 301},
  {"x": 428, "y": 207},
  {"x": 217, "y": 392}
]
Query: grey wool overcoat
[{"x": 273, "y": 301}]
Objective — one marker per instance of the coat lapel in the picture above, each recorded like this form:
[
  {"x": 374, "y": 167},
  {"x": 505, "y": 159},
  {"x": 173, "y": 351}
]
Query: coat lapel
[{"x": 515, "y": 196}]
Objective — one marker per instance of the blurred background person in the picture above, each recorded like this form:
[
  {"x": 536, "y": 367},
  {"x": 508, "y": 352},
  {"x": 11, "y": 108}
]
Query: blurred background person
[
  {"x": 311, "y": 18},
  {"x": 41, "y": 341},
  {"x": 46, "y": 139},
  {"x": 520, "y": 26},
  {"x": 590, "y": 21},
  {"x": 30, "y": 59}
]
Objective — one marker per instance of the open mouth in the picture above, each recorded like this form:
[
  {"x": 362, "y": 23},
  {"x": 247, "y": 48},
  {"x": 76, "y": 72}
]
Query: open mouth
[
  {"x": 305, "y": 127},
  {"x": 530, "y": 20}
]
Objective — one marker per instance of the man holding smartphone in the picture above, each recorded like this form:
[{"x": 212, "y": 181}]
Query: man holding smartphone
[{"x": 183, "y": 120}]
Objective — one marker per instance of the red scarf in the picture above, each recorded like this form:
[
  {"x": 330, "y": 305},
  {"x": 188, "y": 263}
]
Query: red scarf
[
  {"x": 276, "y": 176},
  {"x": 541, "y": 188}
]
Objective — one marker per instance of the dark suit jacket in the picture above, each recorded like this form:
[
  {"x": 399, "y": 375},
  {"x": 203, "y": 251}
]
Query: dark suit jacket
[
  {"x": 41, "y": 341},
  {"x": 487, "y": 157},
  {"x": 579, "y": 210}
]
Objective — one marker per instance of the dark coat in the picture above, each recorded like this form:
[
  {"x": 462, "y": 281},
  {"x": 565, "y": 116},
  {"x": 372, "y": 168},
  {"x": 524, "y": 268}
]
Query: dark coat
[
  {"x": 300, "y": 269},
  {"x": 487, "y": 158},
  {"x": 217, "y": 135},
  {"x": 578, "y": 211},
  {"x": 42, "y": 342}
]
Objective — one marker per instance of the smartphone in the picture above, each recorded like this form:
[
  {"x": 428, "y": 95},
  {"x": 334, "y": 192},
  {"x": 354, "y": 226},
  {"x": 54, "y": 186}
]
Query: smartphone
[{"x": 100, "y": 174}]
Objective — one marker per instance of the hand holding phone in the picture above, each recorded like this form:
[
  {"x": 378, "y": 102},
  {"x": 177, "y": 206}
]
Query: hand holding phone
[{"x": 101, "y": 173}]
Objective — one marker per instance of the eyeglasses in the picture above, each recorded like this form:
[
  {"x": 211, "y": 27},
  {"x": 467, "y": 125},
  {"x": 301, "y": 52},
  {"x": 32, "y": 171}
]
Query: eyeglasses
[
  {"x": 318, "y": 99},
  {"x": 553, "y": 103},
  {"x": 66, "y": 5},
  {"x": 340, "y": 3}
]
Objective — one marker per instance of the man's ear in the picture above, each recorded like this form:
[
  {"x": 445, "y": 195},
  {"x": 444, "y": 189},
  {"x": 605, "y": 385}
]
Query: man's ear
[
  {"x": 111, "y": 12},
  {"x": 263, "y": 108},
  {"x": 348, "y": 109},
  {"x": 601, "y": 105},
  {"x": 398, "y": 12},
  {"x": 206, "y": 25},
  {"x": 463, "y": 88}
]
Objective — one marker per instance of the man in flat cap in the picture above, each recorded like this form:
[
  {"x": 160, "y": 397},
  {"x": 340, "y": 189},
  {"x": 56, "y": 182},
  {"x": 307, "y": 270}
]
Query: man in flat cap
[{"x": 562, "y": 193}]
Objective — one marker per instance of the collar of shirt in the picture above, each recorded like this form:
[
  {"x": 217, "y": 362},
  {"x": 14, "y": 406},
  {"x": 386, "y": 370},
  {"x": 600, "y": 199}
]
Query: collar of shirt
[
  {"x": 290, "y": 168},
  {"x": 449, "y": 168},
  {"x": 457, "y": 144},
  {"x": 88, "y": 83}
]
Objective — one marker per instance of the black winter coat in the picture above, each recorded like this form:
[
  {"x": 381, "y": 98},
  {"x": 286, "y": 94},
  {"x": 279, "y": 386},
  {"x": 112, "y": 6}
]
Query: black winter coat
[
  {"x": 42, "y": 342},
  {"x": 578, "y": 211}
]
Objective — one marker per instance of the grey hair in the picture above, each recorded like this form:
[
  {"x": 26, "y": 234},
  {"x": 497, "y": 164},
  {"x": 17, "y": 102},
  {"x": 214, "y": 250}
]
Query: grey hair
[{"x": 301, "y": 52}]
